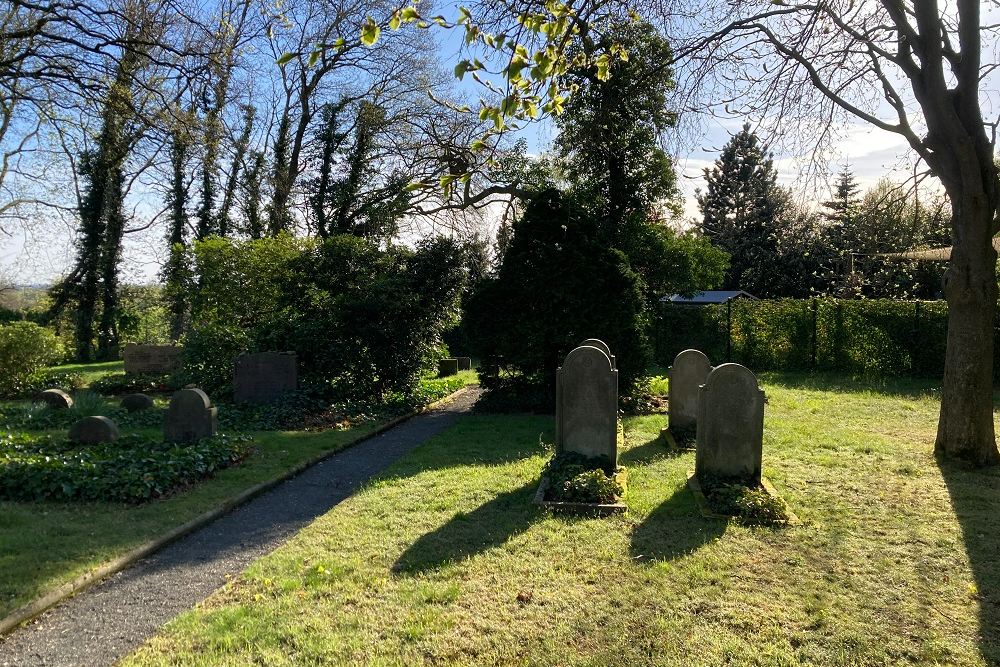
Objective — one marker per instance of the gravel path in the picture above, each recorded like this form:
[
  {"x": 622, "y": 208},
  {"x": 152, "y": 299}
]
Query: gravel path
[{"x": 111, "y": 619}]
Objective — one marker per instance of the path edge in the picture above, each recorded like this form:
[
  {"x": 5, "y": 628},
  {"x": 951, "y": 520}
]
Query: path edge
[{"x": 40, "y": 605}]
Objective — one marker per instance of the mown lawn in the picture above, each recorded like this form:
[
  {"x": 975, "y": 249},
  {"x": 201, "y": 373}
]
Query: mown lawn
[
  {"x": 45, "y": 544},
  {"x": 444, "y": 560},
  {"x": 92, "y": 371}
]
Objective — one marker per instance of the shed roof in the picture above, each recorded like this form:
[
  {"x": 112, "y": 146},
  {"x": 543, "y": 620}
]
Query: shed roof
[
  {"x": 708, "y": 297},
  {"x": 932, "y": 254}
]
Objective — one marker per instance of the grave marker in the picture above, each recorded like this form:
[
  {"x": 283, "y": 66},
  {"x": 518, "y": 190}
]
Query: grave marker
[
  {"x": 688, "y": 373},
  {"x": 93, "y": 431},
  {"x": 730, "y": 424},
  {"x": 587, "y": 404},
  {"x": 57, "y": 399},
  {"x": 141, "y": 359},
  {"x": 262, "y": 377},
  {"x": 190, "y": 417}
]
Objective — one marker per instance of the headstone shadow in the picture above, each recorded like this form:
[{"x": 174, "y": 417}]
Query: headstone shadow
[
  {"x": 975, "y": 496},
  {"x": 674, "y": 529},
  {"x": 470, "y": 533}
]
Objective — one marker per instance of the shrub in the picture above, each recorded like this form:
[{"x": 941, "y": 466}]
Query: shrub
[
  {"x": 747, "y": 501},
  {"x": 50, "y": 378},
  {"x": 121, "y": 383},
  {"x": 579, "y": 479},
  {"x": 132, "y": 469},
  {"x": 210, "y": 352},
  {"x": 558, "y": 285},
  {"x": 25, "y": 347}
]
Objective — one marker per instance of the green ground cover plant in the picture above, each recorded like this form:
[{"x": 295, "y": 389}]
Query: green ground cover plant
[
  {"x": 45, "y": 544},
  {"x": 444, "y": 560},
  {"x": 133, "y": 469},
  {"x": 574, "y": 478}
]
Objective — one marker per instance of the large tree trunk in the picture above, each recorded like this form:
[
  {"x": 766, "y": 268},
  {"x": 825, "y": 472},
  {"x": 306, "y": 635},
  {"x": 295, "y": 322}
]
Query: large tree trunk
[{"x": 965, "y": 428}]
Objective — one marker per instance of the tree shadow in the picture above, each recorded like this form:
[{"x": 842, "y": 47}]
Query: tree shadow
[
  {"x": 975, "y": 497},
  {"x": 469, "y": 533},
  {"x": 674, "y": 529},
  {"x": 649, "y": 453}
]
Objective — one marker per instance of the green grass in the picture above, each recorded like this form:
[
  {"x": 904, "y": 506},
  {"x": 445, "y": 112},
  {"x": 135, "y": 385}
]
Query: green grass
[
  {"x": 92, "y": 371},
  {"x": 443, "y": 560},
  {"x": 43, "y": 545}
]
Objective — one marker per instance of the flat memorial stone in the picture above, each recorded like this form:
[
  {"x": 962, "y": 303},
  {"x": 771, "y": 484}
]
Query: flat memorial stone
[
  {"x": 687, "y": 374},
  {"x": 262, "y": 377},
  {"x": 587, "y": 404},
  {"x": 93, "y": 431},
  {"x": 730, "y": 425},
  {"x": 464, "y": 363},
  {"x": 141, "y": 359}
]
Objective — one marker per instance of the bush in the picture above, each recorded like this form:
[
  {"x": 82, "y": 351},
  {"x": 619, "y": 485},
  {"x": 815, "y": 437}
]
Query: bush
[
  {"x": 210, "y": 352},
  {"x": 121, "y": 383},
  {"x": 558, "y": 285},
  {"x": 574, "y": 478},
  {"x": 25, "y": 348},
  {"x": 49, "y": 378},
  {"x": 131, "y": 470}
]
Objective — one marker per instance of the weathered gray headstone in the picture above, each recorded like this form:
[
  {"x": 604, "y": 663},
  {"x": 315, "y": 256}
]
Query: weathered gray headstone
[
  {"x": 190, "y": 417},
  {"x": 137, "y": 402},
  {"x": 603, "y": 347},
  {"x": 730, "y": 424},
  {"x": 262, "y": 377},
  {"x": 93, "y": 431},
  {"x": 464, "y": 363},
  {"x": 689, "y": 372},
  {"x": 447, "y": 367},
  {"x": 587, "y": 404},
  {"x": 152, "y": 358},
  {"x": 56, "y": 399}
]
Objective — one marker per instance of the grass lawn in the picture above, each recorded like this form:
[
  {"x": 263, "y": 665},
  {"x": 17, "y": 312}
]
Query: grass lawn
[
  {"x": 43, "y": 545},
  {"x": 443, "y": 559},
  {"x": 92, "y": 371}
]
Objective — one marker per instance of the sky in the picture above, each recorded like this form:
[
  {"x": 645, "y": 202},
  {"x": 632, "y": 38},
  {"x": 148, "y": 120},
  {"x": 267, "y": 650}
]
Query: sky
[{"x": 872, "y": 154}]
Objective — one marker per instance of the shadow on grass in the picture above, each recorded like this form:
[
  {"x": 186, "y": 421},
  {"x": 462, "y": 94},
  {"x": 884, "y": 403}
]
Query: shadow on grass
[
  {"x": 469, "y": 533},
  {"x": 837, "y": 382},
  {"x": 650, "y": 452},
  {"x": 975, "y": 496},
  {"x": 674, "y": 529}
]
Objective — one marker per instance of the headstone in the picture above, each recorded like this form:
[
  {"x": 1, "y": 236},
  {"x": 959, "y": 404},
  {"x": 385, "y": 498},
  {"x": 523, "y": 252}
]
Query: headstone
[
  {"x": 93, "y": 431},
  {"x": 141, "y": 359},
  {"x": 262, "y": 377},
  {"x": 57, "y": 399},
  {"x": 447, "y": 367},
  {"x": 730, "y": 424},
  {"x": 603, "y": 347},
  {"x": 587, "y": 404},
  {"x": 464, "y": 363},
  {"x": 689, "y": 372},
  {"x": 190, "y": 417},
  {"x": 137, "y": 402}
]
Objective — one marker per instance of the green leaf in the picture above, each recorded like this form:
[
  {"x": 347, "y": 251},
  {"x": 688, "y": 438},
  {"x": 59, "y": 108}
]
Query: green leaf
[
  {"x": 370, "y": 32},
  {"x": 314, "y": 57},
  {"x": 286, "y": 58},
  {"x": 394, "y": 21},
  {"x": 461, "y": 68}
]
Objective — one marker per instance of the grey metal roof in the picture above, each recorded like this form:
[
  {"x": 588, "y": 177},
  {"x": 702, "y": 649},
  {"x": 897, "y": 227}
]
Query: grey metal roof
[{"x": 709, "y": 297}]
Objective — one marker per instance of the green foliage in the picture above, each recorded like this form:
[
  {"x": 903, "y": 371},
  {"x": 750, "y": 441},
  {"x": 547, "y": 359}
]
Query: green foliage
[
  {"x": 132, "y": 469},
  {"x": 210, "y": 352},
  {"x": 575, "y": 478},
  {"x": 365, "y": 322},
  {"x": 748, "y": 502},
  {"x": 557, "y": 286},
  {"x": 880, "y": 337},
  {"x": 142, "y": 316},
  {"x": 112, "y": 384},
  {"x": 49, "y": 378},
  {"x": 25, "y": 348}
]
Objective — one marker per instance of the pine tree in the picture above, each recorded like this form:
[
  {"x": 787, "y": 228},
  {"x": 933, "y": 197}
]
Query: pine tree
[
  {"x": 844, "y": 204},
  {"x": 740, "y": 209}
]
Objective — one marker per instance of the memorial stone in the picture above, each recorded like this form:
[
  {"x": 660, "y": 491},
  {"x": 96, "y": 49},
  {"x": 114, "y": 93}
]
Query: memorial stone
[
  {"x": 688, "y": 373},
  {"x": 587, "y": 404},
  {"x": 262, "y": 377},
  {"x": 730, "y": 425},
  {"x": 141, "y": 359},
  {"x": 93, "y": 431},
  {"x": 190, "y": 417}
]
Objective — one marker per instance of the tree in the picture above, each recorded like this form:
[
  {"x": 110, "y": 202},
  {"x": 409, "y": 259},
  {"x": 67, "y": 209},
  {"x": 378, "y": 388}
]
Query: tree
[
  {"x": 916, "y": 68},
  {"x": 841, "y": 208}
]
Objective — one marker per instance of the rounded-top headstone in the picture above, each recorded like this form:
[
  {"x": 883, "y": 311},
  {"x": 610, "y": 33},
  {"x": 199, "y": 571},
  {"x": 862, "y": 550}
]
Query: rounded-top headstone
[
  {"x": 599, "y": 344},
  {"x": 587, "y": 404},
  {"x": 190, "y": 399},
  {"x": 93, "y": 431},
  {"x": 730, "y": 424},
  {"x": 56, "y": 398},
  {"x": 688, "y": 372},
  {"x": 137, "y": 402}
]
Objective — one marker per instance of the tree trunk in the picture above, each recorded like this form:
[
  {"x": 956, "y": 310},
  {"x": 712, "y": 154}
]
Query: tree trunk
[{"x": 965, "y": 428}]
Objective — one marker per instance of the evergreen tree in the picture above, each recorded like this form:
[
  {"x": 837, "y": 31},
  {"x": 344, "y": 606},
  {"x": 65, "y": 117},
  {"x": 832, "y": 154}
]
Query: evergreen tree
[{"x": 842, "y": 207}]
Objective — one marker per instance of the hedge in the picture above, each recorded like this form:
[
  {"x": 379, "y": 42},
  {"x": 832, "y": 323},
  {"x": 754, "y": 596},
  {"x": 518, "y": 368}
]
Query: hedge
[{"x": 875, "y": 337}]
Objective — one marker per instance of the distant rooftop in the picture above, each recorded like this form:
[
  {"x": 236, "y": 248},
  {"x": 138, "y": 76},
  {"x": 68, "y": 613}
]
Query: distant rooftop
[
  {"x": 708, "y": 297},
  {"x": 931, "y": 254}
]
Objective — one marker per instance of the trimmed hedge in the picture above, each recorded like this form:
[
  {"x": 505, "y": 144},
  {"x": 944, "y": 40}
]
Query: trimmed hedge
[{"x": 875, "y": 337}]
